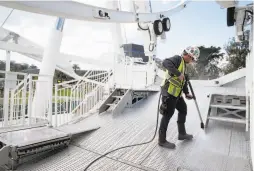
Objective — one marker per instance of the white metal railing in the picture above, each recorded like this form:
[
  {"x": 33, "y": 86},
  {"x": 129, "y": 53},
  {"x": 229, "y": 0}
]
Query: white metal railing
[
  {"x": 18, "y": 101},
  {"x": 78, "y": 97},
  {"x": 94, "y": 75},
  {"x": 29, "y": 100},
  {"x": 10, "y": 82},
  {"x": 98, "y": 75}
]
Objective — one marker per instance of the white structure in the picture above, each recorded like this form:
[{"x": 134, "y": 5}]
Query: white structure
[{"x": 31, "y": 102}]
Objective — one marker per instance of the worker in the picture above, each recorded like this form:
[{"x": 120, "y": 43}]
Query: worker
[{"x": 173, "y": 85}]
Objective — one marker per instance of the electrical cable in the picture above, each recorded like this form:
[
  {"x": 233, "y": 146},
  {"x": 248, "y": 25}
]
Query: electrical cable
[
  {"x": 157, "y": 122},
  {"x": 251, "y": 15},
  {"x": 243, "y": 24},
  {"x": 249, "y": 12},
  {"x": 7, "y": 18},
  {"x": 150, "y": 37},
  {"x": 142, "y": 28},
  {"x": 245, "y": 17}
]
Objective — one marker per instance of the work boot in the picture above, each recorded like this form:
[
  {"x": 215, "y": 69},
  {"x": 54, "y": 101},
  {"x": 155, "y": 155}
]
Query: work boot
[
  {"x": 163, "y": 142},
  {"x": 182, "y": 132}
]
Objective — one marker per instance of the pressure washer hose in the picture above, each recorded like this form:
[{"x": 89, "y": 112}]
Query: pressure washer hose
[{"x": 157, "y": 122}]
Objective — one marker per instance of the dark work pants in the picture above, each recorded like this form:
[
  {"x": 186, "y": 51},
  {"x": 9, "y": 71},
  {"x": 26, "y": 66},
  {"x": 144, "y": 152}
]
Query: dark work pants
[{"x": 172, "y": 104}]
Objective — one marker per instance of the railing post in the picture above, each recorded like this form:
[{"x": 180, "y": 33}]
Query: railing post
[
  {"x": 50, "y": 101},
  {"x": 30, "y": 93},
  {"x": 56, "y": 98},
  {"x": 12, "y": 107},
  {"x": 146, "y": 77},
  {"x": 6, "y": 90},
  {"x": 24, "y": 100}
]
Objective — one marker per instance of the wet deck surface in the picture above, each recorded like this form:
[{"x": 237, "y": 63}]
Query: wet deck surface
[{"x": 222, "y": 147}]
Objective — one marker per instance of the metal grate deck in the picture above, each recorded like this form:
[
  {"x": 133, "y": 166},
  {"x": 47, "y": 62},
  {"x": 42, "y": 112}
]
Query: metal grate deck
[{"x": 221, "y": 148}]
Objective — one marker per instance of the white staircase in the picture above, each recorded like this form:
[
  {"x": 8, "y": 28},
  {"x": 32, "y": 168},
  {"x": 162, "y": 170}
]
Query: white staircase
[
  {"x": 122, "y": 98},
  {"x": 228, "y": 107},
  {"x": 116, "y": 101},
  {"x": 80, "y": 97}
]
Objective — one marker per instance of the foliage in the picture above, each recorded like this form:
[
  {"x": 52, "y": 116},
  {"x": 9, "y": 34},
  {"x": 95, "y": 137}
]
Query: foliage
[
  {"x": 236, "y": 55},
  {"x": 23, "y": 67},
  {"x": 159, "y": 63},
  {"x": 58, "y": 76},
  {"x": 75, "y": 67},
  {"x": 192, "y": 72},
  {"x": 207, "y": 63},
  {"x": 16, "y": 67}
]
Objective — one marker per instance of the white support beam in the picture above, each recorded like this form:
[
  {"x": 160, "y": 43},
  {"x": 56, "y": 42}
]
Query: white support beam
[
  {"x": 84, "y": 60},
  {"x": 80, "y": 11},
  {"x": 48, "y": 66},
  {"x": 20, "y": 48},
  {"x": 37, "y": 52}
]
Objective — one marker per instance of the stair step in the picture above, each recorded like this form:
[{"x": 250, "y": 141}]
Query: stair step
[
  {"x": 228, "y": 106},
  {"x": 241, "y": 121},
  {"x": 118, "y": 97},
  {"x": 110, "y": 104}
]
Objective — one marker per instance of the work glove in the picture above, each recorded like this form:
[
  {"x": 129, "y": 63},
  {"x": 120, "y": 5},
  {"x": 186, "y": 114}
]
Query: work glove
[
  {"x": 189, "y": 96},
  {"x": 181, "y": 77}
]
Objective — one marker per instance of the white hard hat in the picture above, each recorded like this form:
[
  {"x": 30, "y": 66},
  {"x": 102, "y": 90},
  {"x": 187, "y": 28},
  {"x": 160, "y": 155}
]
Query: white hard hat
[{"x": 193, "y": 51}]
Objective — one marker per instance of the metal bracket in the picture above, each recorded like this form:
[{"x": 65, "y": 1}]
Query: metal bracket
[{"x": 101, "y": 14}]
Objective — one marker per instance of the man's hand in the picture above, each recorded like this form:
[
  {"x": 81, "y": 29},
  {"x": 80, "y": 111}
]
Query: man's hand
[
  {"x": 181, "y": 77},
  {"x": 189, "y": 96}
]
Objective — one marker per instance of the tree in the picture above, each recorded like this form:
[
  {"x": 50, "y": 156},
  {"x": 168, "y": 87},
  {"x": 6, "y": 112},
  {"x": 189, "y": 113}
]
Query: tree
[
  {"x": 75, "y": 67},
  {"x": 207, "y": 63},
  {"x": 206, "y": 66},
  {"x": 60, "y": 76},
  {"x": 13, "y": 66},
  {"x": 2, "y": 65},
  {"x": 24, "y": 66},
  {"x": 159, "y": 63},
  {"x": 192, "y": 72},
  {"x": 32, "y": 67},
  {"x": 236, "y": 55}
]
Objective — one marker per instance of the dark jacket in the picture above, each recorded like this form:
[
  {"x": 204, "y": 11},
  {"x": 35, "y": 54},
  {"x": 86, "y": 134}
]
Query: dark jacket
[{"x": 172, "y": 64}]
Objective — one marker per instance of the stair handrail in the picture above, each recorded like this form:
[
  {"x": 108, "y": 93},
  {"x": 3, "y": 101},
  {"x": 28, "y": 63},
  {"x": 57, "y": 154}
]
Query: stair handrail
[
  {"x": 94, "y": 90},
  {"x": 85, "y": 77}
]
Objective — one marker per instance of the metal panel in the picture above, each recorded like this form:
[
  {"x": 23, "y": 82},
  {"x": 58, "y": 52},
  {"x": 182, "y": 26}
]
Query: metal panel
[
  {"x": 80, "y": 127},
  {"x": 11, "y": 129},
  {"x": 30, "y": 136},
  {"x": 240, "y": 83}
]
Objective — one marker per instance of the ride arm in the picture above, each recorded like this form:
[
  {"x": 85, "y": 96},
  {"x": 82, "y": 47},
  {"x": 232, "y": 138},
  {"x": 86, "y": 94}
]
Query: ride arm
[
  {"x": 170, "y": 64},
  {"x": 80, "y": 11}
]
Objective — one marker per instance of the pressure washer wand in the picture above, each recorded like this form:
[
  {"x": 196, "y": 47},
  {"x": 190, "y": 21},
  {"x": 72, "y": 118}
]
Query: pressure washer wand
[{"x": 194, "y": 97}]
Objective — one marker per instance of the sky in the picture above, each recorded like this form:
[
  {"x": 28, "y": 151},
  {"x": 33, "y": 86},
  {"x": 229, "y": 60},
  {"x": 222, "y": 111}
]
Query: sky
[{"x": 200, "y": 23}]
